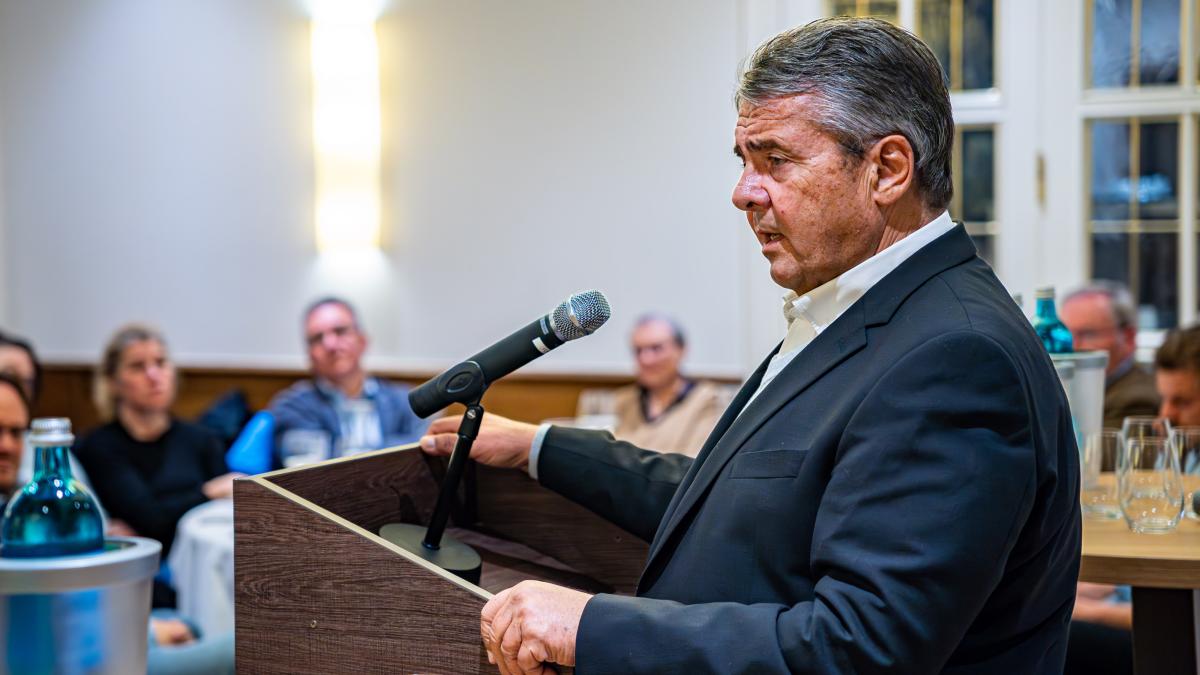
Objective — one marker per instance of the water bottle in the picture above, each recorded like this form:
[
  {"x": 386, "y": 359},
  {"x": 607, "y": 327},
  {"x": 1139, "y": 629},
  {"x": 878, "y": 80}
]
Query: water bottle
[
  {"x": 54, "y": 514},
  {"x": 1054, "y": 335}
]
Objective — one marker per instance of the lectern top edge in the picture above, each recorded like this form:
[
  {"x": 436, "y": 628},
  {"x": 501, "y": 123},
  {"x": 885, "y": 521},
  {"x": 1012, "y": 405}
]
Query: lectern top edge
[
  {"x": 262, "y": 480},
  {"x": 336, "y": 460}
]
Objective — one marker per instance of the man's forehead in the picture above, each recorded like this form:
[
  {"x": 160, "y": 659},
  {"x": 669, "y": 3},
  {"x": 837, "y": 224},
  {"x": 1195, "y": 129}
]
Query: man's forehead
[
  {"x": 1179, "y": 380},
  {"x": 329, "y": 315},
  {"x": 14, "y": 357}
]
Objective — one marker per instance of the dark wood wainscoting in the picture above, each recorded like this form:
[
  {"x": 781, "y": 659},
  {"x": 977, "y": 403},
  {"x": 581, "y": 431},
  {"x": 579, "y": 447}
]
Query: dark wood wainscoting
[{"x": 67, "y": 391}]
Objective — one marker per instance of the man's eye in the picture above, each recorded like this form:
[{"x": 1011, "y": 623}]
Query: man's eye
[{"x": 775, "y": 160}]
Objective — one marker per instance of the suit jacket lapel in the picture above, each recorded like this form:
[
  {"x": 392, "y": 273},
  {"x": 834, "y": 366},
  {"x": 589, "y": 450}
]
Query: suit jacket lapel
[
  {"x": 847, "y": 335},
  {"x": 844, "y": 337},
  {"x": 727, "y": 418}
]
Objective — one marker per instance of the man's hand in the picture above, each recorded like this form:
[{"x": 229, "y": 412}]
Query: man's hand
[
  {"x": 169, "y": 632},
  {"x": 530, "y": 625},
  {"x": 501, "y": 442},
  {"x": 120, "y": 528},
  {"x": 221, "y": 486}
]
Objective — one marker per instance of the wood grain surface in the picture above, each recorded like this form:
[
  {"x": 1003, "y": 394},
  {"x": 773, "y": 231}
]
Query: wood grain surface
[
  {"x": 514, "y": 506},
  {"x": 318, "y": 591},
  {"x": 1112, "y": 554},
  {"x": 316, "y": 596}
]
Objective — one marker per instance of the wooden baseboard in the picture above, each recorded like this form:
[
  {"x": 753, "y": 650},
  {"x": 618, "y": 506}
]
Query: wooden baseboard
[{"x": 67, "y": 391}]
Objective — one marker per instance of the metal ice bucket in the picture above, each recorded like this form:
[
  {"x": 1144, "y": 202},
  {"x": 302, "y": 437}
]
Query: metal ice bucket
[{"x": 78, "y": 614}]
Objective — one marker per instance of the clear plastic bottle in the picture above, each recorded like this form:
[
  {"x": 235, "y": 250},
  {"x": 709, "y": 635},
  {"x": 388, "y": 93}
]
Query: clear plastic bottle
[{"x": 54, "y": 514}]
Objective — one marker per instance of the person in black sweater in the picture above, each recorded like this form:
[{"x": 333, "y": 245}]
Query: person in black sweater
[{"x": 148, "y": 468}]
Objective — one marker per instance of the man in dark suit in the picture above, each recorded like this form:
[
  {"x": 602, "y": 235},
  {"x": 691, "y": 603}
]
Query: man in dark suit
[{"x": 895, "y": 489}]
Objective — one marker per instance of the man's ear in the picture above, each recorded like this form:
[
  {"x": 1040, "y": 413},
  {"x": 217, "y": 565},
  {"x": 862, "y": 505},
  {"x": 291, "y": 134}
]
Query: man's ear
[{"x": 895, "y": 168}]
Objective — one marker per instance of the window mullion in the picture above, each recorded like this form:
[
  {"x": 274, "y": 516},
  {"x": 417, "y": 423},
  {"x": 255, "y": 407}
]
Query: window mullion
[{"x": 1188, "y": 276}]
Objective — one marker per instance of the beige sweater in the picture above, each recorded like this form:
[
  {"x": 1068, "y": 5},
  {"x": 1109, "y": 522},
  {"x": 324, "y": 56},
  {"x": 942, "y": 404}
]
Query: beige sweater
[{"x": 681, "y": 429}]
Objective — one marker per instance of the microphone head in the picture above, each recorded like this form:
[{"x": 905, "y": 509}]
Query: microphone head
[{"x": 580, "y": 315}]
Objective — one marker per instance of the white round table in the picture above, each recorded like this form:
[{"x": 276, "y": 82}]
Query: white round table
[{"x": 201, "y": 562}]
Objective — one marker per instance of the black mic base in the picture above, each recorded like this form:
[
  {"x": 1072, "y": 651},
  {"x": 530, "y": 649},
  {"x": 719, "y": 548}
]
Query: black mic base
[{"x": 451, "y": 555}]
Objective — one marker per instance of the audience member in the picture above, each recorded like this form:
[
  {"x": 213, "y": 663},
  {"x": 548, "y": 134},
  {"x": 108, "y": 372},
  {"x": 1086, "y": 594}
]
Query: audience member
[
  {"x": 147, "y": 467},
  {"x": 1101, "y": 317},
  {"x": 1177, "y": 375},
  {"x": 354, "y": 410},
  {"x": 14, "y": 420},
  {"x": 18, "y": 359},
  {"x": 665, "y": 410}
]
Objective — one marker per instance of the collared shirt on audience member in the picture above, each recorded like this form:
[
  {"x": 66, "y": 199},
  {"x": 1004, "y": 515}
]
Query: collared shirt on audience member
[
  {"x": 354, "y": 410},
  {"x": 1102, "y": 317},
  {"x": 664, "y": 409}
]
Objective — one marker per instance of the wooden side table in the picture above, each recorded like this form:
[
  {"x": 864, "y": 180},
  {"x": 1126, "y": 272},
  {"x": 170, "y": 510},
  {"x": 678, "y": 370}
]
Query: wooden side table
[{"x": 1164, "y": 571}]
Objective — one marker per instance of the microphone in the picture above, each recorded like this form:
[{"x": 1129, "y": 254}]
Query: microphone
[{"x": 577, "y": 316}]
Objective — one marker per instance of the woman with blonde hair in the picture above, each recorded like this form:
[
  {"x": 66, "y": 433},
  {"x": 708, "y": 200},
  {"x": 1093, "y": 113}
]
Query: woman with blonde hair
[{"x": 147, "y": 467}]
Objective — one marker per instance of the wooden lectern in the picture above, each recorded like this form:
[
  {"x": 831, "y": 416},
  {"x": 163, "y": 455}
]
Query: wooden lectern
[{"x": 318, "y": 591}]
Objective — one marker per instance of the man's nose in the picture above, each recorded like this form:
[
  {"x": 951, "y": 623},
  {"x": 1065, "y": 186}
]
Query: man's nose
[
  {"x": 1167, "y": 411},
  {"x": 748, "y": 194}
]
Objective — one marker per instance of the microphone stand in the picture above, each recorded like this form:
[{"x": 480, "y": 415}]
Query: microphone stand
[{"x": 431, "y": 543}]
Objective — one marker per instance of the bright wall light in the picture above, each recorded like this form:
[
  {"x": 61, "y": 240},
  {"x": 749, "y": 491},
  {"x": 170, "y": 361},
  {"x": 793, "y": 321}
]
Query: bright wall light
[{"x": 346, "y": 126}]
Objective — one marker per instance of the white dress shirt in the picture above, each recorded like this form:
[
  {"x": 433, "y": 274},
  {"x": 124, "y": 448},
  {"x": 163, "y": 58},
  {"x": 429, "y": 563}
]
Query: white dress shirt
[{"x": 810, "y": 314}]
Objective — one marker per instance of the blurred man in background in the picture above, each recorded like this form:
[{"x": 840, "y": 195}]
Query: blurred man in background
[
  {"x": 1101, "y": 317},
  {"x": 665, "y": 410},
  {"x": 1177, "y": 375},
  {"x": 353, "y": 410}
]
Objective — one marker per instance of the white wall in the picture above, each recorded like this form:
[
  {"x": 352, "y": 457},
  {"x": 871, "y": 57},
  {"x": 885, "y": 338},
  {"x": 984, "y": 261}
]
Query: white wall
[{"x": 157, "y": 166}]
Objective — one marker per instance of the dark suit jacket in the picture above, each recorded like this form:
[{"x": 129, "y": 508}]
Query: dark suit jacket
[
  {"x": 1134, "y": 393},
  {"x": 903, "y": 497}
]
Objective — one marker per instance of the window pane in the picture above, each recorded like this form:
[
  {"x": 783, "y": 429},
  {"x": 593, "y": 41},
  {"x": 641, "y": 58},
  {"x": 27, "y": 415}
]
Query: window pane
[
  {"x": 1158, "y": 280},
  {"x": 1158, "y": 48},
  {"x": 978, "y": 28},
  {"x": 1110, "y": 170},
  {"x": 933, "y": 25},
  {"x": 1111, "y": 42},
  {"x": 842, "y": 7},
  {"x": 977, "y": 180},
  {"x": 1110, "y": 256},
  {"x": 1158, "y": 179},
  {"x": 883, "y": 9}
]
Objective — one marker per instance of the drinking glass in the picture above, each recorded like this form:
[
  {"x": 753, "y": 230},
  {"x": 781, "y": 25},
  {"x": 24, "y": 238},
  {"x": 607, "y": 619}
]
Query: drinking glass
[
  {"x": 1145, "y": 426},
  {"x": 298, "y": 447},
  {"x": 1187, "y": 445},
  {"x": 1101, "y": 454},
  {"x": 1149, "y": 486}
]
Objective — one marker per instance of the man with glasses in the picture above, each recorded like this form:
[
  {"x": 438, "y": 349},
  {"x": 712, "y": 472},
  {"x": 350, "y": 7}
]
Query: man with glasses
[
  {"x": 356, "y": 411},
  {"x": 1101, "y": 317}
]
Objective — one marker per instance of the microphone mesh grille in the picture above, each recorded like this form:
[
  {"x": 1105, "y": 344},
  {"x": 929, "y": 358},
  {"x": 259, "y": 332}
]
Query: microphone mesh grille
[{"x": 580, "y": 315}]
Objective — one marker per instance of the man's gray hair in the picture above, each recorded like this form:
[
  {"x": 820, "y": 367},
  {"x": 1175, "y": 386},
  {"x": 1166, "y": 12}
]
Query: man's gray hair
[
  {"x": 870, "y": 79},
  {"x": 655, "y": 317},
  {"x": 1119, "y": 298}
]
